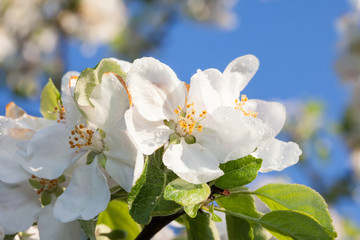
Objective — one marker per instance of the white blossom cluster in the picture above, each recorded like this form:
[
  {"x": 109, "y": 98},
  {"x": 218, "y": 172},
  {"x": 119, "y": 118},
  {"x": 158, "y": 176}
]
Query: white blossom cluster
[
  {"x": 55, "y": 172},
  {"x": 348, "y": 27}
]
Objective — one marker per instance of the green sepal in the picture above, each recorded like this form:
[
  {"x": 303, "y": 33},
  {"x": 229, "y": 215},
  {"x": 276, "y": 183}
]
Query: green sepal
[
  {"x": 61, "y": 179},
  {"x": 170, "y": 123},
  {"x": 102, "y": 159},
  {"x": 58, "y": 191},
  {"x": 50, "y": 98},
  {"x": 238, "y": 172},
  {"x": 45, "y": 198},
  {"x": 90, "y": 158},
  {"x": 102, "y": 133},
  {"x": 35, "y": 184},
  {"x": 185, "y": 193},
  {"x": 190, "y": 139},
  {"x": 88, "y": 227},
  {"x": 174, "y": 139}
]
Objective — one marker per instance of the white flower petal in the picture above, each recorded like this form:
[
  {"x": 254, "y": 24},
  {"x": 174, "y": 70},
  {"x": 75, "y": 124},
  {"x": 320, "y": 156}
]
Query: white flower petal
[
  {"x": 110, "y": 101},
  {"x": 192, "y": 162},
  {"x": 10, "y": 134},
  {"x": 86, "y": 195},
  {"x": 48, "y": 153},
  {"x": 121, "y": 158},
  {"x": 121, "y": 173},
  {"x": 273, "y": 114},
  {"x": 50, "y": 228},
  {"x": 19, "y": 207},
  {"x": 68, "y": 82},
  {"x": 236, "y": 76},
  {"x": 277, "y": 155},
  {"x": 148, "y": 135},
  {"x": 13, "y": 111},
  {"x": 19, "y": 115},
  {"x": 202, "y": 92},
  {"x": 155, "y": 89},
  {"x": 230, "y": 135}
]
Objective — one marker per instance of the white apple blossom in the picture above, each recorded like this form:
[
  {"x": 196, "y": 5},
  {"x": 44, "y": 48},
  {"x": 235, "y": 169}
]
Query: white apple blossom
[
  {"x": 202, "y": 133},
  {"x": 222, "y": 90},
  {"x": 22, "y": 200},
  {"x": 75, "y": 141},
  {"x": 18, "y": 197}
]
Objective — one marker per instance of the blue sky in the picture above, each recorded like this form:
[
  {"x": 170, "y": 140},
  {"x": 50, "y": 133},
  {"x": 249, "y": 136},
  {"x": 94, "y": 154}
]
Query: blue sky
[{"x": 295, "y": 42}]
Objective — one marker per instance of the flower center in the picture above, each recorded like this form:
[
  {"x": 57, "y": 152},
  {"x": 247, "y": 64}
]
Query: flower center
[
  {"x": 188, "y": 121},
  {"x": 82, "y": 137},
  {"x": 239, "y": 105},
  {"x": 42, "y": 184}
]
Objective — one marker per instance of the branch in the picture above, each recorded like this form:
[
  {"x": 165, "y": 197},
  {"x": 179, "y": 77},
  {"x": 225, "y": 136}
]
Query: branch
[{"x": 156, "y": 224}]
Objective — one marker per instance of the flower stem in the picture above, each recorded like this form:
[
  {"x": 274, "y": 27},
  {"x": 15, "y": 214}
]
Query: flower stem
[{"x": 156, "y": 224}]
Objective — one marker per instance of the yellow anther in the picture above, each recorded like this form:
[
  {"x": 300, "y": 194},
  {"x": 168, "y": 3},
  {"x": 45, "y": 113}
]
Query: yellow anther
[
  {"x": 239, "y": 105},
  {"x": 187, "y": 119},
  {"x": 82, "y": 137},
  {"x": 244, "y": 98}
]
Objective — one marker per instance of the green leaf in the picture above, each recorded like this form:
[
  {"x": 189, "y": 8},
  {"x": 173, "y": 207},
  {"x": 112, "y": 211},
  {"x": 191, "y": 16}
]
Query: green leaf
[
  {"x": 260, "y": 232},
  {"x": 9, "y": 237},
  {"x": 238, "y": 228},
  {"x": 116, "y": 216},
  {"x": 297, "y": 197},
  {"x": 244, "y": 204},
  {"x": 166, "y": 207},
  {"x": 201, "y": 227},
  {"x": 50, "y": 98},
  {"x": 116, "y": 234},
  {"x": 185, "y": 193},
  {"x": 147, "y": 193},
  {"x": 91, "y": 77},
  {"x": 238, "y": 172},
  {"x": 191, "y": 211},
  {"x": 294, "y": 224},
  {"x": 89, "y": 228}
]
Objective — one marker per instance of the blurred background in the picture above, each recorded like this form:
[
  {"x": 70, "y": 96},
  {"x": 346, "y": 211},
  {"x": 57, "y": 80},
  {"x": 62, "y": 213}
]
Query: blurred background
[{"x": 309, "y": 60}]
